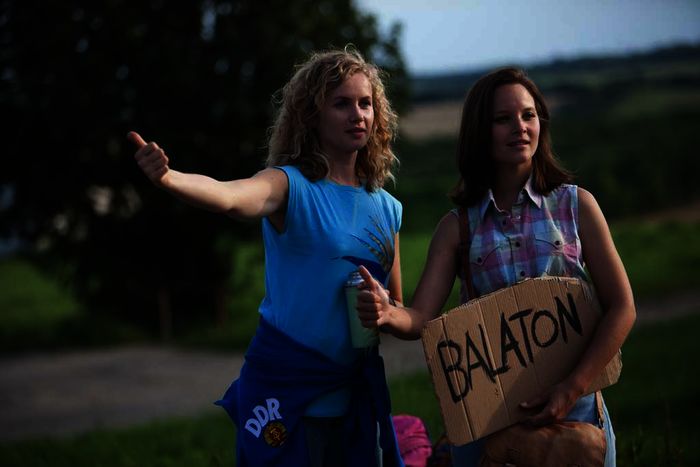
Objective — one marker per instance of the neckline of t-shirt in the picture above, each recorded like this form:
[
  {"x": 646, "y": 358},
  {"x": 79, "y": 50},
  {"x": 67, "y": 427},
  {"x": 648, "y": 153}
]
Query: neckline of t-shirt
[{"x": 330, "y": 182}]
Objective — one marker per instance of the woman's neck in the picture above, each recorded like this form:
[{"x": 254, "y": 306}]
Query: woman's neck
[
  {"x": 343, "y": 172},
  {"x": 507, "y": 187}
]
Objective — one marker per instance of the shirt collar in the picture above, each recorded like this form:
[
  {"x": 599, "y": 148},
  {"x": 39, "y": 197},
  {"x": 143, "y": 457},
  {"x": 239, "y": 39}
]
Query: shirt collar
[
  {"x": 486, "y": 202},
  {"x": 527, "y": 192},
  {"x": 530, "y": 192}
]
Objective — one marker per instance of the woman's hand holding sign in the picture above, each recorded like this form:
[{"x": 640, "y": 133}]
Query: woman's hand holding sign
[{"x": 554, "y": 404}]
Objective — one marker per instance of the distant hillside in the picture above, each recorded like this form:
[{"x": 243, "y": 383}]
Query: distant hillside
[
  {"x": 679, "y": 63},
  {"x": 626, "y": 126}
]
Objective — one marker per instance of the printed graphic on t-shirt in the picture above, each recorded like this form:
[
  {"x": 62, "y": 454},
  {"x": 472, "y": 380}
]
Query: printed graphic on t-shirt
[{"x": 381, "y": 246}]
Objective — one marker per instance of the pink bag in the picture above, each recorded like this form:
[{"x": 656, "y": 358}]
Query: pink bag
[{"x": 414, "y": 443}]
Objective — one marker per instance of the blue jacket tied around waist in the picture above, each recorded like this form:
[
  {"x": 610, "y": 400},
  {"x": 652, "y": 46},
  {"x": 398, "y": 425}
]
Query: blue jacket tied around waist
[{"x": 280, "y": 378}]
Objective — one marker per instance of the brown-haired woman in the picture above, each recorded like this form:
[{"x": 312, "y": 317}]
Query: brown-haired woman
[
  {"x": 525, "y": 220},
  {"x": 305, "y": 395}
]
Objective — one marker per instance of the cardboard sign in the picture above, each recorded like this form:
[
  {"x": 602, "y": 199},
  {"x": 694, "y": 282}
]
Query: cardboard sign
[{"x": 490, "y": 354}]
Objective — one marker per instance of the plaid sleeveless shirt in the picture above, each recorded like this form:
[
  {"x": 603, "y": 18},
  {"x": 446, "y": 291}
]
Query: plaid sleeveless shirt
[{"x": 539, "y": 237}]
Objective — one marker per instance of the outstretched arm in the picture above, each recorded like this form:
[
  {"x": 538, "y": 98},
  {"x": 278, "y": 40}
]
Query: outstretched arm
[
  {"x": 373, "y": 304},
  {"x": 615, "y": 294},
  {"x": 264, "y": 194}
]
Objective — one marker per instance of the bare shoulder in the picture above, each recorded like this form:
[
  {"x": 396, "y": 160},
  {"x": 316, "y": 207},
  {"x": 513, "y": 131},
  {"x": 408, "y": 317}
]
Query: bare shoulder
[
  {"x": 447, "y": 230},
  {"x": 585, "y": 198},
  {"x": 589, "y": 210},
  {"x": 273, "y": 184},
  {"x": 446, "y": 235},
  {"x": 273, "y": 176},
  {"x": 261, "y": 195}
]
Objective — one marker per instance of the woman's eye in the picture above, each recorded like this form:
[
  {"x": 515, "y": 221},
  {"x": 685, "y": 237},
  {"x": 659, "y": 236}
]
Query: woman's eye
[
  {"x": 366, "y": 104},
  {"x": 529, "y": 115}
]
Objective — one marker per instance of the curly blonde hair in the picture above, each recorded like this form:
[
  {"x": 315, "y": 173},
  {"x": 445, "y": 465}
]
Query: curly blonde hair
[{"x": 293, "y": 138}]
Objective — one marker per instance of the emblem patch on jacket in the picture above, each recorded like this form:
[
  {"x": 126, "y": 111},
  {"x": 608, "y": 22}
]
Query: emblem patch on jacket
[{"x": 275, "y": 434}]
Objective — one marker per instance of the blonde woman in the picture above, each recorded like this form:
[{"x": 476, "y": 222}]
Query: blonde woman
[{"x": 305, "y": 395}]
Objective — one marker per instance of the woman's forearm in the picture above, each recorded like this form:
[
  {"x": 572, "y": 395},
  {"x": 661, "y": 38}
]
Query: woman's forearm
[
  {"x": 404, "y": 322},
  {"x": 250, "y": 198},
  {"x": 199, "y": 191},
  {"x": 609, "y": 336}
]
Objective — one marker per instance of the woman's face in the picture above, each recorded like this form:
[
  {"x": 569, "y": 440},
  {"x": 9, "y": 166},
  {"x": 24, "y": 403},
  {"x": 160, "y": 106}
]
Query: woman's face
[
  {"x": 515, "y": 129},
  {"x": 346, "y": 118}
]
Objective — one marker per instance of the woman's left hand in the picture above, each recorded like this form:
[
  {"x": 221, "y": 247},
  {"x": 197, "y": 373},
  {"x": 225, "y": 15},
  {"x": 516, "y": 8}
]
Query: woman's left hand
[
  {"x": 557, "y": 402},
  {"x": 372, "y": 301}
]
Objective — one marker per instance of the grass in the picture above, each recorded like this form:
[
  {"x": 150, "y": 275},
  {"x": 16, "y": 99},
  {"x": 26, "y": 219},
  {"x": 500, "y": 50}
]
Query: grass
[
  {"x": 28, "y": 297},
  {"x": 653, "y": 410},
  {"x": 202, "y": 441},
  {"x": 660, "y": 257},
  {"x": 654, "y": 405},
  {"x": 37, "y": 312}
]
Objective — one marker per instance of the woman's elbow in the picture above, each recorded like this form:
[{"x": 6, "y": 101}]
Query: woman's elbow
[{"x": 627, "y": 314}]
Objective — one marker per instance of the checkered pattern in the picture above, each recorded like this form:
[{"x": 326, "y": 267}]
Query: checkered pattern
[{"x": 539, "y": 237}]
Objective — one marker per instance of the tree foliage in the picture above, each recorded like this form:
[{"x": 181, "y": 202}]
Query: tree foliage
[{"x": 196, "y": 76}]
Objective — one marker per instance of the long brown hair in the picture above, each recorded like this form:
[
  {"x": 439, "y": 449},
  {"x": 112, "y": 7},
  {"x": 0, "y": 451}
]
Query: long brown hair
[
  {"x": 293, "y": 138},
  {"x": 474, "y": 159}
]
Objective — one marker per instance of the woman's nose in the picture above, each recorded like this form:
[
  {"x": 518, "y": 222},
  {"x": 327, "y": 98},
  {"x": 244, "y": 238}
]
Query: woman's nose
[
  {"x": 519, "y": 126},
  {"x": 355, "y": 114}
]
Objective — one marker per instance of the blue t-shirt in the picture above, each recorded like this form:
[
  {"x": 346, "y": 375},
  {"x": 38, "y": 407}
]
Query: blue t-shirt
[{"x": 329, "y": 231}]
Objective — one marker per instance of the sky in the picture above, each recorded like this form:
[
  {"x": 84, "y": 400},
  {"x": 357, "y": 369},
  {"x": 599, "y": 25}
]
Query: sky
[{"x": 447, "y": 35}]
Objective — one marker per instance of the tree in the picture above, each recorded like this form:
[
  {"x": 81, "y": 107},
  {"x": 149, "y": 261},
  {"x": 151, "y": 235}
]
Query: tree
[{"x": 195, "y": 76}]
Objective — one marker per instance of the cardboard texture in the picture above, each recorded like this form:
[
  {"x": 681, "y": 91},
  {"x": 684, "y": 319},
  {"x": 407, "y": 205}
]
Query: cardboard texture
[{"x": 490, "y": 354}]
